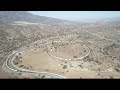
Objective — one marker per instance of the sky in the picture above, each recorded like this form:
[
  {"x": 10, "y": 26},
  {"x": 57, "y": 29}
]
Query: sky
[{"x": 78, "y": 15}]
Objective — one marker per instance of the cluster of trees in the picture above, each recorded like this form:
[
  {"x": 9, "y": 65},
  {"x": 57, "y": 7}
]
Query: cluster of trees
[
  {"x": 107, "y": 48},
  {"x": 17, "y": 60},
  {"x": 88, "y": 58}
]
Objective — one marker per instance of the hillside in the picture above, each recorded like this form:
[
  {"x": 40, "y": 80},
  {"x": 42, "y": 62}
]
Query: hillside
[
  {"x": 18, "y": 29},
  {"x": 10, "y": 16}
]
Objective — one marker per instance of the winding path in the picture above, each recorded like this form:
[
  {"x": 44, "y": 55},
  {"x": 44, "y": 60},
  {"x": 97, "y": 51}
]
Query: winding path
[
  {"x": 9, "y": 62},
  {"x": 14, "y": 68},
  {"x": 66, "y": 59}
]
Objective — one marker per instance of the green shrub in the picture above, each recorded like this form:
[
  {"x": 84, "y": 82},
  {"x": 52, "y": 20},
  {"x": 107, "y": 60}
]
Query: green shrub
[
  {"x": 117, "y": 69},
  {"x": 75, "y": 56},
  {"x": 111, "y": 77},
  {"x": 43, "y": 76},
  {"x": 65, "y": 66}
]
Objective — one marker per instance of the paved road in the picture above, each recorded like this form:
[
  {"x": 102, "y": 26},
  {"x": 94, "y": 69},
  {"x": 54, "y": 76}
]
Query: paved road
[
  {"x": 66, "y": 59},
  {"x": 9, "y": 63},
  {"x": 14, "y": 68}
]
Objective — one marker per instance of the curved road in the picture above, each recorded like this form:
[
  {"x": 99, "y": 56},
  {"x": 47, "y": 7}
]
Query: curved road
[
  {"x": 9, "y": 64},
  {"x": 14, "y": 68},
  {"x": 87, "y": 49}
]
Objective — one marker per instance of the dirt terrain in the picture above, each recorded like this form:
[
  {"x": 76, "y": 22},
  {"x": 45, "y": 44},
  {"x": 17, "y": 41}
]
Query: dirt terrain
[
  {"x": 39, "y": 58},
  {"x": 87, "y": 50}
]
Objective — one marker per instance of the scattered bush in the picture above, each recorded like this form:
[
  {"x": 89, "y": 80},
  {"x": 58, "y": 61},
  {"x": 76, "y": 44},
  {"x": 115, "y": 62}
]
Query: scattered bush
[
  {"x": 81, "y": 66},
  {"x": 21, "y": 65},
  {"x": 117, "y": 69},
  {"x": 20, "y": 73},
  {"x": 67, "y": 71},
  {"x": 118, "y": 65},
  {"x": 39, "y": 75},
  {"x": 65, "y": 66},
  {"x": 46, "y": 70},
  {"x": 19, "y": 53},
  {"x": 98, "y": 62},
  {"x": 15, "y": 63},
  {"x": 111, "y": 77},
  {"x": 65, "y": 61},
  {"x": 98, "y": 74},
  {"x": 16, "y": 57},
  {"x": 88, "y": 58},
  {"x": 43, "y": 76},
  {"x": 75, "y": 56}
]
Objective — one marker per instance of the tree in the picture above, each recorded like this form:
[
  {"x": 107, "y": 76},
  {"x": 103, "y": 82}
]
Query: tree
[
  {"x": 55, "y": 47},
  {"x": 43, "y": 76},
  {"x": 111, "y": 77},
  {"x": 117, "y": 69},
  {"x": 16, "y": 57},
  {"x": 75, "y": 56},
  {"x": 19, "y": 53},
  {"x": 15, "y": 63},
  {"x": 65, "y": 66},
  {"x": 21, "y": 65},
  {"x": 118, "y": 40}
]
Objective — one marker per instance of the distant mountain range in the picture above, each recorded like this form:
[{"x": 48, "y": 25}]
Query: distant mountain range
[
  {"x": 115, "y": 19},
  {"x": 10, "y": 16}
]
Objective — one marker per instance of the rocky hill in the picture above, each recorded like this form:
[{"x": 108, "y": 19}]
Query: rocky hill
[
  {"x": 20, "y": 28},
  {"x": 10, "y": 16}
]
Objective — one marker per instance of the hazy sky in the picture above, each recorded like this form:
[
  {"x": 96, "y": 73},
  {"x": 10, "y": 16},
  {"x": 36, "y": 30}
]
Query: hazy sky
[{"x": 77, "y": 15}]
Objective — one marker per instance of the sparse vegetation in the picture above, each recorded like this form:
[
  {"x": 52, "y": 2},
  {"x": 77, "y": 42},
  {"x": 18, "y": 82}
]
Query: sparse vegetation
[
  {"x": 43, "y": 76},
  {"x": 75, "y": 56},
  {"x": 20, "y": 29},
  {"x": 65, "y": 61},
  {"x": 81, "y": 66},
  {"x": 15, "y": 63},
  {"x": 16, "y": 57},
  {"x": 111, "y": 77},
  {"x": 46, "y": 70},
  {"x": 64, "y": 66},
  {"x": 107, "y": 49},
  {"x": 117, "y": 69},
  {"x": 21, "y": 66},
  {"x": 19, "y": 53},
  {"x": 88, "y": 58},
  {"x": 20, "y": 57},
  {"x": 97, "y": 61}
]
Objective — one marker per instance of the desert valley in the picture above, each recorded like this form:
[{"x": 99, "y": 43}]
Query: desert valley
[{"x": 34, "y": 46}]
